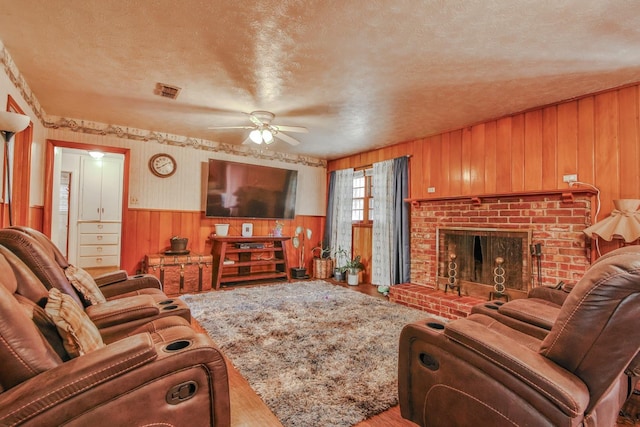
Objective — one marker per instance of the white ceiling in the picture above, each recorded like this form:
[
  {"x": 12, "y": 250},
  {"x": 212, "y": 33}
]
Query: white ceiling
[{"x": 359, "y": 74}]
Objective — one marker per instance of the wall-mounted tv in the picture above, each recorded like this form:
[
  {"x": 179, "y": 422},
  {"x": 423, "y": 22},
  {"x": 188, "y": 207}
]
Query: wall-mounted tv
[{"x": 242, "y": 190}]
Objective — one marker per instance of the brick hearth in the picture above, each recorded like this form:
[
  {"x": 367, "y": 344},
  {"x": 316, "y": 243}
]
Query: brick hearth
[{"x": 433, "y": 301}]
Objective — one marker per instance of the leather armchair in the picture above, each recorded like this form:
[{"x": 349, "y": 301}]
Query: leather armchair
[
  {"x": 138, "y": 380},
  {"x": 114, "y": 284},
  {"x": 536, "y": 314},
  {"x": 478, "y": 369},
  {"x": 115, "y": 318}
]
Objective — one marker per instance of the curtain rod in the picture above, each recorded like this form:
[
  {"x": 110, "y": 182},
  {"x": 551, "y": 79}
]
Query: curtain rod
[{"x": 408, "y": 156}]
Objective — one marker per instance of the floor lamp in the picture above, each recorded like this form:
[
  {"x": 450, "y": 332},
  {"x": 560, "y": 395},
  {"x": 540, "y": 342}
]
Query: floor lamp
[{"x": 10, "y": 124}]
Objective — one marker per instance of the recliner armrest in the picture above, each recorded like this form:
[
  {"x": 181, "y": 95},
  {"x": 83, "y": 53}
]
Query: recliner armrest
[
  {"x": 554, "y": 295},
  {"x": 129, "y": 382},
  {"x": 112, "y": 288},
  {"x": 73, "y": 378},
  {"x": 117, "y": 312},
  {"x": 111, "y": 277},
  {"x": 568, "y": 392}
]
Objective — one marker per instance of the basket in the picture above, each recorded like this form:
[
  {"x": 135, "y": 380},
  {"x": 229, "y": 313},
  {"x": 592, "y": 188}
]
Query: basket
[{"x": 322, "y": 268}]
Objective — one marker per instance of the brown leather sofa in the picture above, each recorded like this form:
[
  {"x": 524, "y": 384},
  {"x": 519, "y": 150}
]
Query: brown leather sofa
[
  {"x": 162, "y": 373},
  {"x": 479, "y": 370},
  {"x": 115, "y": 317},
  {"x": 114, "y": 284}
]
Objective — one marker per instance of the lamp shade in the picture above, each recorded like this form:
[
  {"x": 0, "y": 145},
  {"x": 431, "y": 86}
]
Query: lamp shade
[
  {"x": 623, "y": 223},
  {"x": 13, "y": 122}
]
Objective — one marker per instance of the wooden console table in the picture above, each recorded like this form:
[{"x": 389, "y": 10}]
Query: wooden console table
[{"x": 241, "y": 259}]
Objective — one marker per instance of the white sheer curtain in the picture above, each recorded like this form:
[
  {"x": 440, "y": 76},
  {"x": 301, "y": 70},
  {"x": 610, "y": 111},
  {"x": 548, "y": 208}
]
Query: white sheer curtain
[
  {"x": 341, "y": 204},
  {"x": 383, "y": 205}
]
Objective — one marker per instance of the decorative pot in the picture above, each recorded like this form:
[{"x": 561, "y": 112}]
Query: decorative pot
[
  {"x": 299, "y": 273},
  {"x": 353, "y": 277},
  {"x": 338, "y": 275},
  {"x": 178, "y": 244},
  {"x": 222, "y": 230}
]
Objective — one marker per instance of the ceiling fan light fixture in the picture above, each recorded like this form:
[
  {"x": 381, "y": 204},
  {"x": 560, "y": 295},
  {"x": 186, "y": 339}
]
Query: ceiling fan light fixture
[
  {"x": 256, "y": 136},
  {"x": 267, "y": 136}
]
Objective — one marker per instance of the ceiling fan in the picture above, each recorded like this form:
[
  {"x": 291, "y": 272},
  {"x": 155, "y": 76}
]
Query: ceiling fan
[{"x": 262, "y": 131}]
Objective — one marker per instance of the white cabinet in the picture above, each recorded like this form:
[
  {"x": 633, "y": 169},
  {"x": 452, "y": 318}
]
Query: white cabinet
[
  {"x": 99, "y": 212},
  {"x": 100, "y": 189},
  {"x": 98, "y": 244}
]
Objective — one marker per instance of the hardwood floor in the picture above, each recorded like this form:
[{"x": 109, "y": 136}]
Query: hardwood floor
[{"x": 248, "y": 410}]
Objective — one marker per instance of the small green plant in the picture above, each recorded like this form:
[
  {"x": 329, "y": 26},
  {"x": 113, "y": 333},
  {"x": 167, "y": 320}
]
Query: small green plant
[
  {"x": 340, "y": 255},
  {"x": 354, "y": 264},
  {"x": 321, "y": 252}
]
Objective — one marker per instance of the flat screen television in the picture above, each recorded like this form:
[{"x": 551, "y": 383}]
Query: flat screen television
[{"x": 241, "y": 190}]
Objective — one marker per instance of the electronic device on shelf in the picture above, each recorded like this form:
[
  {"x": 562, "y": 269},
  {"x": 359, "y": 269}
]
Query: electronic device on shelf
[{"x": 250, "y": 245}]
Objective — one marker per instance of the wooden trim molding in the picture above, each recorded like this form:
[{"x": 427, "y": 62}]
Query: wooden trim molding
[{"x": 567, "y": 195}]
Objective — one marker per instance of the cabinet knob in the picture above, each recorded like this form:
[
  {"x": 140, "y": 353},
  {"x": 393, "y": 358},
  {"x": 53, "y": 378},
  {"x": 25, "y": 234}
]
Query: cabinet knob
[{"x": 99, "y": 237}]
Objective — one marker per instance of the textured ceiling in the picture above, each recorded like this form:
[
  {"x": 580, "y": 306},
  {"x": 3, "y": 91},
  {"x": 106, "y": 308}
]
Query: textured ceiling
[{"x": 358, "y": 74}]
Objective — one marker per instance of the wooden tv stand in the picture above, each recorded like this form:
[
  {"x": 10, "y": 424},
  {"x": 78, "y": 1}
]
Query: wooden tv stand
[{"x": 242, "y": 259}]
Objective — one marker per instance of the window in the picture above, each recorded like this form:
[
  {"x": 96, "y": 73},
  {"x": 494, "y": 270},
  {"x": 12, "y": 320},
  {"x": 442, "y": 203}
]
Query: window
[{"x": 362, "y": 208}]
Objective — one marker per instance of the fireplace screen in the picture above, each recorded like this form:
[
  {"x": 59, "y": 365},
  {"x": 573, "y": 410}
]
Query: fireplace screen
[{"x": 478, "y": 251}]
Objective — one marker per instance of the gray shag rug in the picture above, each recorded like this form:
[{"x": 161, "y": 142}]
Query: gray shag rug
[{"x": 316, "y": 353}]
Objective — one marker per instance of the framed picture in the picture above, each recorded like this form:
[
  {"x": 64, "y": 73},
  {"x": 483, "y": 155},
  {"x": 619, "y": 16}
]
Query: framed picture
[{"x": 247, "y": 229}]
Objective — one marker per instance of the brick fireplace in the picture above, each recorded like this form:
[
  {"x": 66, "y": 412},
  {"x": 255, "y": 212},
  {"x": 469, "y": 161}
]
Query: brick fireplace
[{"x": 554, "y": 220}]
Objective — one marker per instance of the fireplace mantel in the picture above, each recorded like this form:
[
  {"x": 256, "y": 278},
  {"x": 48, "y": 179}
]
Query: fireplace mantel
[{"x": 566, "y": 195}]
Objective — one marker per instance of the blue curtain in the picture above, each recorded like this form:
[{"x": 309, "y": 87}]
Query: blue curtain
[{"x": 401, "y": 261}]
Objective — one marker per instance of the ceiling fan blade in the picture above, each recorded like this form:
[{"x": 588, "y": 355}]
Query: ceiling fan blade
[
  {"x": 298, "y": 129},
  {"x": 230, "y": 127},
  {"x": 286, "y": 138},
  {"x": 256, "y": 121}
]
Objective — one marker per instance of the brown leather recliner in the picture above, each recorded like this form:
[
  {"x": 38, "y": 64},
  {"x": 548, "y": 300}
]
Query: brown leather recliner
[
  {"x": 116, "y": 317},
  {"x": 138, "y": 380},
  {"x": 536, "y": 314},
  {"x": 115, "y": 284},
  {"x": 477, "y": 369}
]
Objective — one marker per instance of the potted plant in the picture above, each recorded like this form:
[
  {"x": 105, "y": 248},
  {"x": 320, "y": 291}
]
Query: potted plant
[
  {"x": 322, "y": 262},
  {"x": 354, "y": 267},
  {"x": 339, "y": 256},
  {"x": 301, "y": 234}
]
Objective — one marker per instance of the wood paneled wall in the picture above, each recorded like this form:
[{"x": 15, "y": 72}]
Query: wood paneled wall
[
  {"x": 149, "y": 231},
  {"x": 596, "y": 136}
]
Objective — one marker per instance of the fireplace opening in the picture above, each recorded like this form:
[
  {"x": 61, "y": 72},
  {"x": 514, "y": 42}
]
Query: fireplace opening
[{"x": 483, "y": 254}]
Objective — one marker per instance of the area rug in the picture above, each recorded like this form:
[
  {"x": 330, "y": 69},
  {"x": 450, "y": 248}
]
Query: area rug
[{"x": 316, "y": 353}]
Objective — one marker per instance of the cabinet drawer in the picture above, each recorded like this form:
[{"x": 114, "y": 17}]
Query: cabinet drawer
[
  {"x": 98, "y": 250},
  {"x": 99, "y": 239},
  {"x": 99, "y": 227},
  {"x": 98, "y": 261}
]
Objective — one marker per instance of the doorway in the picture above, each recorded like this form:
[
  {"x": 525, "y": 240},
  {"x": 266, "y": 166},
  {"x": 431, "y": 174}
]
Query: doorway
[{"x": 88, "y": 239}]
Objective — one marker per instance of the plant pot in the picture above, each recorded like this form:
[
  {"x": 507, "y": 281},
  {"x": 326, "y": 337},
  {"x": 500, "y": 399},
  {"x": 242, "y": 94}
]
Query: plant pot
[
  {"x": 322, "y": 268},
  {"x": 222, "y": 230},
  {"x": 353, "y": 277},
  {"x": 338, "y": 275},
  {"x": 299, "y": 273}
]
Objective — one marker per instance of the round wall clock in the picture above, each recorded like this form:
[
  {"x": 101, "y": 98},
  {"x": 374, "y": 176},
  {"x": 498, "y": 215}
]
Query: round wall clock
[{"x": 162, "y": 165}]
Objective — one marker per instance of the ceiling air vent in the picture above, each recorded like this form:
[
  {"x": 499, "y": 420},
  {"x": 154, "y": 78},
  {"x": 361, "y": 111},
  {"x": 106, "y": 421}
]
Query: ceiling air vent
[{"x": 167, "y": 91}]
